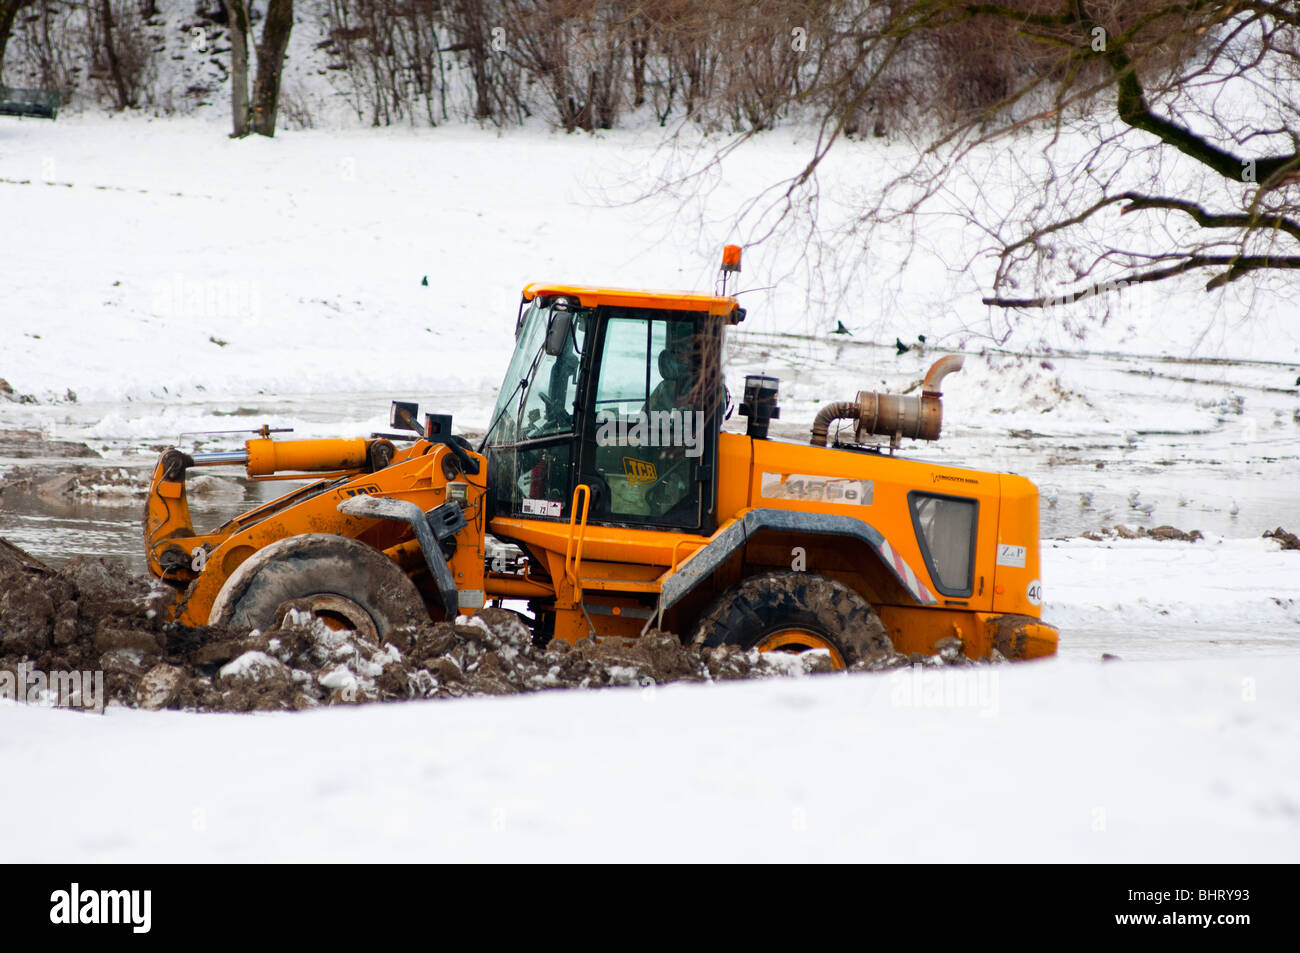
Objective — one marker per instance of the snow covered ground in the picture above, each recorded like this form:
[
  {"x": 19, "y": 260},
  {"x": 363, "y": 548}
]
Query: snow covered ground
[
  {"x": 1156, "y": 599},
  {"x": 130, "y": 245},
  {"x": 175, "y": 280},
  {"x": 1129, "y": 762}
]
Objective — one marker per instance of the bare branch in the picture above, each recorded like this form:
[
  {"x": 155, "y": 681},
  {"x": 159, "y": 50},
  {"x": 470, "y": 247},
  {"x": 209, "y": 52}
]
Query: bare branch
[{"x": 1237, "y": 268}]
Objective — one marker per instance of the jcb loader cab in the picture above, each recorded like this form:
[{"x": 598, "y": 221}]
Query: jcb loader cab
[{"x": 607, "y": 497}]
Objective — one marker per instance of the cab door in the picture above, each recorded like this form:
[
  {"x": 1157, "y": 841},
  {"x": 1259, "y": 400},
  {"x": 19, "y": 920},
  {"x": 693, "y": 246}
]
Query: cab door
[{"x": 653, "y": 408}]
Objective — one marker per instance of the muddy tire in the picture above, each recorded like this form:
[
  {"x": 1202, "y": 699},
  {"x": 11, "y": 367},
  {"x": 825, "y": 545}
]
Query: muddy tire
[
  {"x": 340, "y": 580},
  {"x": 795, "y": 611}
]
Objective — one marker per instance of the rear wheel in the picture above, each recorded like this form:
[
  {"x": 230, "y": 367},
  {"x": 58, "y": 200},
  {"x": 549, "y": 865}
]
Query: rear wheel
[
  {"x": 339, "y": 580},
  {"x": 796, "y": 612}
]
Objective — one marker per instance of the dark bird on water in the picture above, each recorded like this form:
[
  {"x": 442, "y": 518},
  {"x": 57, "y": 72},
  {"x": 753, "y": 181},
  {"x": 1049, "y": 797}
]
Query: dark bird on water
[
  {"x": 902, "y": 348},
  {"x": 841, "y": 329}
]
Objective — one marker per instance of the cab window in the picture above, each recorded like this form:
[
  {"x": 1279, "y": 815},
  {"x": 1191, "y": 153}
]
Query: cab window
[
  {"x": 651, "y": 417},
  {"x": 945, "y": 528}
]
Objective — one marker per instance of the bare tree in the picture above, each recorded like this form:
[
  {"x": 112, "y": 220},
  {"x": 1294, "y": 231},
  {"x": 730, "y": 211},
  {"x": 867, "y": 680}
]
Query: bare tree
[
  {"x": 1167, "y": 139},
  {"x": 577, "y": 49},
  {"x": 258, "y": 113},
  {"x": 237, "y": 14},
  {"x": 468, "y": 23},
  {"x": 1170, "y": 71},
  {"x": 270, "y": 64},
  {"x": 8, "y": 11},
  {"x": 123, "y": 88},
  {"x": 48, "y": 48}
]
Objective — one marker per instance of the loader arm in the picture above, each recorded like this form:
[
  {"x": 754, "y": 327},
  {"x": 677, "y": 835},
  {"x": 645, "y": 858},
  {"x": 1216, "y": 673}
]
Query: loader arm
[{"x": 200, "y": 564}]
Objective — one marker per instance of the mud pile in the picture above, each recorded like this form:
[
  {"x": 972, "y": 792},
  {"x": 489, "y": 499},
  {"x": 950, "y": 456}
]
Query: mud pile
[
  {"x": 1287, "y": 540},
  {"x": 7, "y": 393},
  {"x": 91, "y": 616},
  {"x": 1141, "y": 532},
  {"x": 78, "y": 484},
  {"x": 26, "y": 444}
]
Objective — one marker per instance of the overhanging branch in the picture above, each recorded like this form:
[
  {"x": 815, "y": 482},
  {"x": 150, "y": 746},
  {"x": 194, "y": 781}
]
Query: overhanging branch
[
  {"x": 1134, "y": 111},
  {"x": 1207, "y": 219},
  {"x": 1237, "y": 266}
]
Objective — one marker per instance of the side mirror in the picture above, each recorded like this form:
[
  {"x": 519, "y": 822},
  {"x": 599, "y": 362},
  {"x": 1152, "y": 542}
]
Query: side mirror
[
  {"x": 402, "y": 416},
  {"x": 519, "y": 318},
  {"x": 557, "y": 332}
]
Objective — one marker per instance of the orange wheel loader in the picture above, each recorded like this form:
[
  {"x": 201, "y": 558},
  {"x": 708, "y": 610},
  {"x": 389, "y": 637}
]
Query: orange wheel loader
[{"x": 606, "y": 498}]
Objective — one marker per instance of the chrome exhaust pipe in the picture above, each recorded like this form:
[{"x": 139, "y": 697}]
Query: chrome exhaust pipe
[{"x": 897, "y": 416}]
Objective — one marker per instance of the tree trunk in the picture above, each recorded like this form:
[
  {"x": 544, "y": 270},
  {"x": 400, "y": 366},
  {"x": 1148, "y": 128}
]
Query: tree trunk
[
  {"x": 270, "y": 63},
  {"x": 237, "y": 15},
  {"x": 470, "y": 33},
  {"x": 110, "y": 51},
  {"x": 640, "y": 48},
  {"x": 8, "y": 11},
  {"x": 478, "y": 64}
]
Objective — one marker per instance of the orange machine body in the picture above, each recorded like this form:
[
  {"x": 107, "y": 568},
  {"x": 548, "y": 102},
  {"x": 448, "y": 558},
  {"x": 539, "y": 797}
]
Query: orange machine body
[{"x": 598, "y": 580}]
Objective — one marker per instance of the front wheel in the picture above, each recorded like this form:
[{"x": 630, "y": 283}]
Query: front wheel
[
  {"x": 339, "y": 580},
  {"x": 796, "y": 612}
]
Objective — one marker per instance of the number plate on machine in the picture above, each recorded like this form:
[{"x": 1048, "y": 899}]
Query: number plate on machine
[{"x": 801, "y": 486}]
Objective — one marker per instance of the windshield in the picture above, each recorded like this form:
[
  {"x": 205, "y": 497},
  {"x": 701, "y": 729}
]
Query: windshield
[
  {"x": 539, "y": 391},
  {"x": 532, "y": 332},
  {"x": 528, "y": 453}
]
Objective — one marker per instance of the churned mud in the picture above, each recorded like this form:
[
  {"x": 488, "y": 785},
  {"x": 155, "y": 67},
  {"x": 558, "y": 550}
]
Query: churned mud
[
  {"x": 75, "y": 484},
  {"x": 27, "y": 444},
  {"x": 1287, "y": 540},
  {"x": 91, "y": 615},
  {"x": 1121, "y": 531},
  {"x": 1282, "y": 537},
  {"x": 58, "y": 473}
]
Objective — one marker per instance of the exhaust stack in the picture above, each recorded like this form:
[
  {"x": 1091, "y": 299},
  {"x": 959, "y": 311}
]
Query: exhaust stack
[{"x": 916, "y": 417}]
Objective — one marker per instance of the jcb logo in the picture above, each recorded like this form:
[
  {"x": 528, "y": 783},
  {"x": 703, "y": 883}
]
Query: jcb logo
[
  {"x": 370, "y": 489},
  {"x": 639, "y": 472}
]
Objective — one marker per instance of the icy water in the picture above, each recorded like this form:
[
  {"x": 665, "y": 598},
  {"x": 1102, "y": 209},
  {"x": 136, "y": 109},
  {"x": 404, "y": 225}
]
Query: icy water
[
  {"x": 1211, "y": 445},
  {"x": 58, "y": 529},
  {"x": 1135, "y": 644},
  {"x": 1181, "y": 474},
  {"x": 1232, "y": 471}
]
